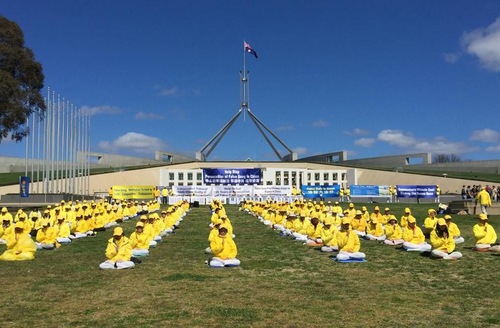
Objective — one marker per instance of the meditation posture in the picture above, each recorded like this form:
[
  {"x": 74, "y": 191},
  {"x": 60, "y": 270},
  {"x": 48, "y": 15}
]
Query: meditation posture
[
  {"x": 443, "y": 244},
  {"x": 139, "y": 241},
  {"x": 414, "y": 237},
  {"x": 46, "y": 237},
  {"x": 359, "y": 224},
  {"x": 224, "y": 250},
  {"x": 20, "y": 246},
  {"x": 453, "y": 230},
  {"x": 393, "y": 232},
  {"x": 118, "y": 252},
  {"x": 485, "y": 235},
  {"x": 348, "y": 243},
  {"x": 374, "y": 230},
  {"x": 430, "y": 222},
  {"x": 329, "y": 236}
]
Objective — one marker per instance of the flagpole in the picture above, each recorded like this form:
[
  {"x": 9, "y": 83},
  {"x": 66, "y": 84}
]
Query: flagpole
[{"x": 243, "y": 80}]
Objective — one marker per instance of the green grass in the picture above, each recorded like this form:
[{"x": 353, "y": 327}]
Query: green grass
[{"x": 280, "y": 283}]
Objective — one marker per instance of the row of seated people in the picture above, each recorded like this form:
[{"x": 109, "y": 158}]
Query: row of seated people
[
  {"x": 221, "y": 239},
  {"x": 123, "y": 252}
]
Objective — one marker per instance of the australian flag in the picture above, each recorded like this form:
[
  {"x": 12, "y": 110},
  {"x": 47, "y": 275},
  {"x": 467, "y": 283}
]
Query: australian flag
[{"x": 249, "y": 49}]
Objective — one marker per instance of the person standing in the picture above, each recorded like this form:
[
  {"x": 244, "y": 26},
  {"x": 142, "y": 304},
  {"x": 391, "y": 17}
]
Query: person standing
[
  {"x": 164, "y": 195},
  {"x": 484, "y": 199}
]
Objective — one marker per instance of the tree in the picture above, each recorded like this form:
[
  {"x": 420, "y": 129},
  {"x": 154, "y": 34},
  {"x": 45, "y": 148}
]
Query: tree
[
  {"x": 446, "y": 158},
  {"x": 21, "y": 79}
]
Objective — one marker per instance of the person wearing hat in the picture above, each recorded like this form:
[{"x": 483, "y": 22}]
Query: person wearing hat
[
  {"x": 46, "y": 237},
  {"x": 23, "y": 218},
  {"x": 139, "y": 241},
  {"x": 20, "y": 246},
  {"x": 280, "y": 220},
  {"x": 351, "y": 211},
  {"x": 69, "y": 215},
  {"x": 148, "y": 230},
  {"x": 348, "y": 194},
  {"x": 36, "y": 224},
  {"x": 443, "y": 244},
  {"x": 484, "y": 199},
  {"x": 453, "y": 230},
  {"x": 337, "y": 208},
  {"x": 79, "y": 230},
  {"x": 377, "y": 215},
  {"x": 374, "y": 230},
  {"x": 404, "y": 219},
  {"x": 19, "y": 212},
  {"x": 366, "y": 214},
  {"x": 215, "y": 216},
  {"x": 358, "y": 224},
  {"x": 288, "y": 227},
  {"x": 414, "y": 237},
  {"x": 485, "y": 235},
  {"x": 313, "y": 232},
  {"x": 348, "y": 243},
  {"x": 63, "y": 231},
  {"x": 118, "y": 252},
  {"x": 224, "y": 250},
  {"x": 393, "y": 232},
  {"x": 5, "y": 215},
  {"x": 35, "y": 211},
  {"x": 226, "y": 223},
  {"x": 214, "y": 231},
  {"x": 387, "y": 216},
  {"x": 430, "y": 222},
  {"x": 166, "y": 230},
  {"x": 300, "y": 226},
  {"x": 329, "y": 236}
]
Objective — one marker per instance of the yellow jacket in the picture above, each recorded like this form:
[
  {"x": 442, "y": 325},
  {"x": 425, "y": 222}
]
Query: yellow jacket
[
  {"x": 46, "y": 237},
  {"x": 441, "y": 243},
  {"x": 375, "y": 229},
  {"x": 21, "y": 242},
  {"x": 348, "y": 241},
  {"x": 301, "y": 226},
  {"x": 453, "y": 230},
  {"x": 484, "y": 234},
  {"x": 139, "y": 240},
  {"x": 314, "y": 232},
  {"x": 403, "y": 222},
  {"x": 359, "y": 225},
  {"x": 63, "y": 230},
  {"x": 415, "y": 236},
  {"x": 393, "y": 232},
  {"x": 483, "y": 198},
  {"x": 430, "y": 224},
  {"x": 224, "y": 248},
  {"x": 119, "y": 251},
  {"x": 329, "y": 236}
]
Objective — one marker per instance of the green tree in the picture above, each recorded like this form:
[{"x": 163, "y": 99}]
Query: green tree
[{"x": 21, "y": 79}]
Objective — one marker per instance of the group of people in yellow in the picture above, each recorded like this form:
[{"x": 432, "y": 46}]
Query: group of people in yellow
[
  {"x": 334, "y": 229},
  {"x": 221, "y": 238}
]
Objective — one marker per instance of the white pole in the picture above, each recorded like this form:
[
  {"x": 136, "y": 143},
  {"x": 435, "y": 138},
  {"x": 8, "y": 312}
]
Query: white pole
[
  {"x": 46, "y": 145},
  {"x": 88, "y": 158},
  {"x": 68, "y": 145},
  {"x": 32, "y": 133},
  {"x": 38, "y": 154},
  {"x": 52, "y": 143},
  {"x": 58, "y": 143},
  {"x": 62, "y": 184}
]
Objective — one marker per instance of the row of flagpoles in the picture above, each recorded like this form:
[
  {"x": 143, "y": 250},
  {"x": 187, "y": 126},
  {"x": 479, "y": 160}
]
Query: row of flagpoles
[{"x": 58, "y": 147}]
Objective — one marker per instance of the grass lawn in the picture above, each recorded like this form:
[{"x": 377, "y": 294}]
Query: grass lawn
[{"x": 280, "y": 283}]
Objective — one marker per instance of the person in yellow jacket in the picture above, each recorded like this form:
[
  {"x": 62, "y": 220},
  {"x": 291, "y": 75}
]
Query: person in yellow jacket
[
  {"x": 358, "y": 224},
  {"x": 414, "y": 237},
  {"x": 63, "y": 231},
  {"x": 430, "y": 222},
  {"x": 403, "y": 222},
  {"x": 23, "y": 218},
  {"x": 351, "y": 211},
  {"x": 348, "y": 243},
  {"x": 46, "y": 237},
  {"x": 484, "y": 199},
  {"x": 313, "y": 233},
  {"x": 5, "y": 215},
  {"x": 226, "y": 223},
  {"x": 300, "y": 226},
  {"x": 329, "y": 236},
  {"x": 6, "y": 230},
  {"x": 224, "y": 250},
  {"x": 393, "y": 232},
  {"x": 377, "y": 215},
  {"x": 387, "y": 216},
  {"x": 20, "y": 246},
  {"x": 36, "y": 224},
  {"x": 443, "y": 244},
  {"x": 453, "y": 230},
  {"x": 485, "y": 235},
  {"x": 215, "y": 217},
  {"x": 118, "y": 252},
  {"x": 214, "y": 231},
  {"x": 374, "y": 230},
  {"x": 139, "y": 241},
  {"x": 288, "y": 227},
  {"x": 79, "y": 230},
  {"x": 366, "y": 213},
  {"x": 337, "y": 208}
]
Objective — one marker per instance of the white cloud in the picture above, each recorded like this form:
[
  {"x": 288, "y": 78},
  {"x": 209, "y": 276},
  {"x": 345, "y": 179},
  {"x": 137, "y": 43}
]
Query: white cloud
[
  {"x": 169, "y": 92},
  {"x": 451, "y": 57},
  {"x": 320, "y": 124},
  {"x": 484, "y": 43},
  {"x": 365, "y": 142},
  {"x": 396, "y": 138},
  {"x": 301, "y": 150},
  {"x": 135, "y": 142},
  {"x": 148, "y": 116},
  {"x": 485, "y": 135},
  {"x": 493, "y": 149},
  {"x": 97, "y": 110}
]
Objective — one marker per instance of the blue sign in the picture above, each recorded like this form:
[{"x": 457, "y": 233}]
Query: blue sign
[
  {"x": 416, "y": 191},
  {"x": 325, "y": 191},
  {"x": 24, "y": 186},
  {"x": 364, "y": 190},
  {"x": 231, "y": 176}
]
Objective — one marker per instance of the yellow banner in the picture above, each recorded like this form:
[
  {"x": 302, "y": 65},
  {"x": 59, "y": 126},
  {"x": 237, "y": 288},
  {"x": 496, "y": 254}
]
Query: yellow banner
[{"x": 133, "y": 192}]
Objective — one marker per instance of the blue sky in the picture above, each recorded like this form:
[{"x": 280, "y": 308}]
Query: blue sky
[{"x": 373, "y": 78}]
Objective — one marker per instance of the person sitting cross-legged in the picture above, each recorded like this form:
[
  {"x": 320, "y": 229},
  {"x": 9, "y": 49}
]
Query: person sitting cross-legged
[
  {"x": 414, "y": 237},
  {"x": 329, "y": 236},
  {"x": 374, "y": 230},
  {"x": 443, "y": 244},
  {"x": 393, "y": 232},
  {"x": 20, "y": 246},
  {"x": 485, "y": 235},
  {"x": 118, "y": 252},
  {"x": 46, "y": 236},
  {"x": 348, "y": 243},
  {"x": 453, "y": 230},
  {"x": 224, "y": 250},
  {"x": 139, "y": 241}
]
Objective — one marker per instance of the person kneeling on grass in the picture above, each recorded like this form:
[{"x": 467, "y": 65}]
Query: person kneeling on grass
[
  {"x": 348, "y": 243},
  {"x": 224, "y": 250},
  {"x": 46, "y": 236},
  {"x": 443, "y": 244},
  {"x": 485, "y": 235},
  {"x": 414, "y": 237},
  {"x": 20, "y": 246},
  {"x": 139, "y": 241},
  {"x": 118, "y": 252}
]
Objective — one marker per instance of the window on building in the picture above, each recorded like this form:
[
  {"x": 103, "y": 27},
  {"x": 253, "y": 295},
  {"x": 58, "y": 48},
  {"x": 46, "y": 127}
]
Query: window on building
[
  {"x": 190, "y": 184},
  {"x": 285, "y": 174},
  {"x": 171, "y": 176},
  {"x": 269, "y": 183},
  {"x": 343, "y": 176},
  {"x": 316, "y": 176},
  {"x": 190, "y": 176},
  {"x": 199, "y": 176},
  {"x": 335, "y": 176},
  {"x": 309, "y": 176},
  {"x": 180, "y": 176},
  {"x": 198, "y": 183},
  {"x": 326, "y": 176},
  {"x": 286, "y": 181},
  {"x": 278, "y": 181}
]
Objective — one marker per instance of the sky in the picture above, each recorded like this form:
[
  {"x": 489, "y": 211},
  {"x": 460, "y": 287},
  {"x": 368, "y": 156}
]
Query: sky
[{"x": 372, "y": 78}]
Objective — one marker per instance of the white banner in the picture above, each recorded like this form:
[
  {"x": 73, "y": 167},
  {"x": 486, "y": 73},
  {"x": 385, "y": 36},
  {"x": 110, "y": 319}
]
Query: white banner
[
  {"x": 232, "y": 191},
  {"x": 200, "y": 191},
  {"x": 264, "y": 191}
]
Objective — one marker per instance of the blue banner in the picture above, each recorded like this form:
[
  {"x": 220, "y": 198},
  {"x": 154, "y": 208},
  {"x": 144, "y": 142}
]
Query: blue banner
[
  {"x": 369, "y": 190},
  {"x": 416, "y": 191},
  {"x": 325, "y": 191},
  {"x": 231, "y": 176},
  {"x": 24, "y": 186}
]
